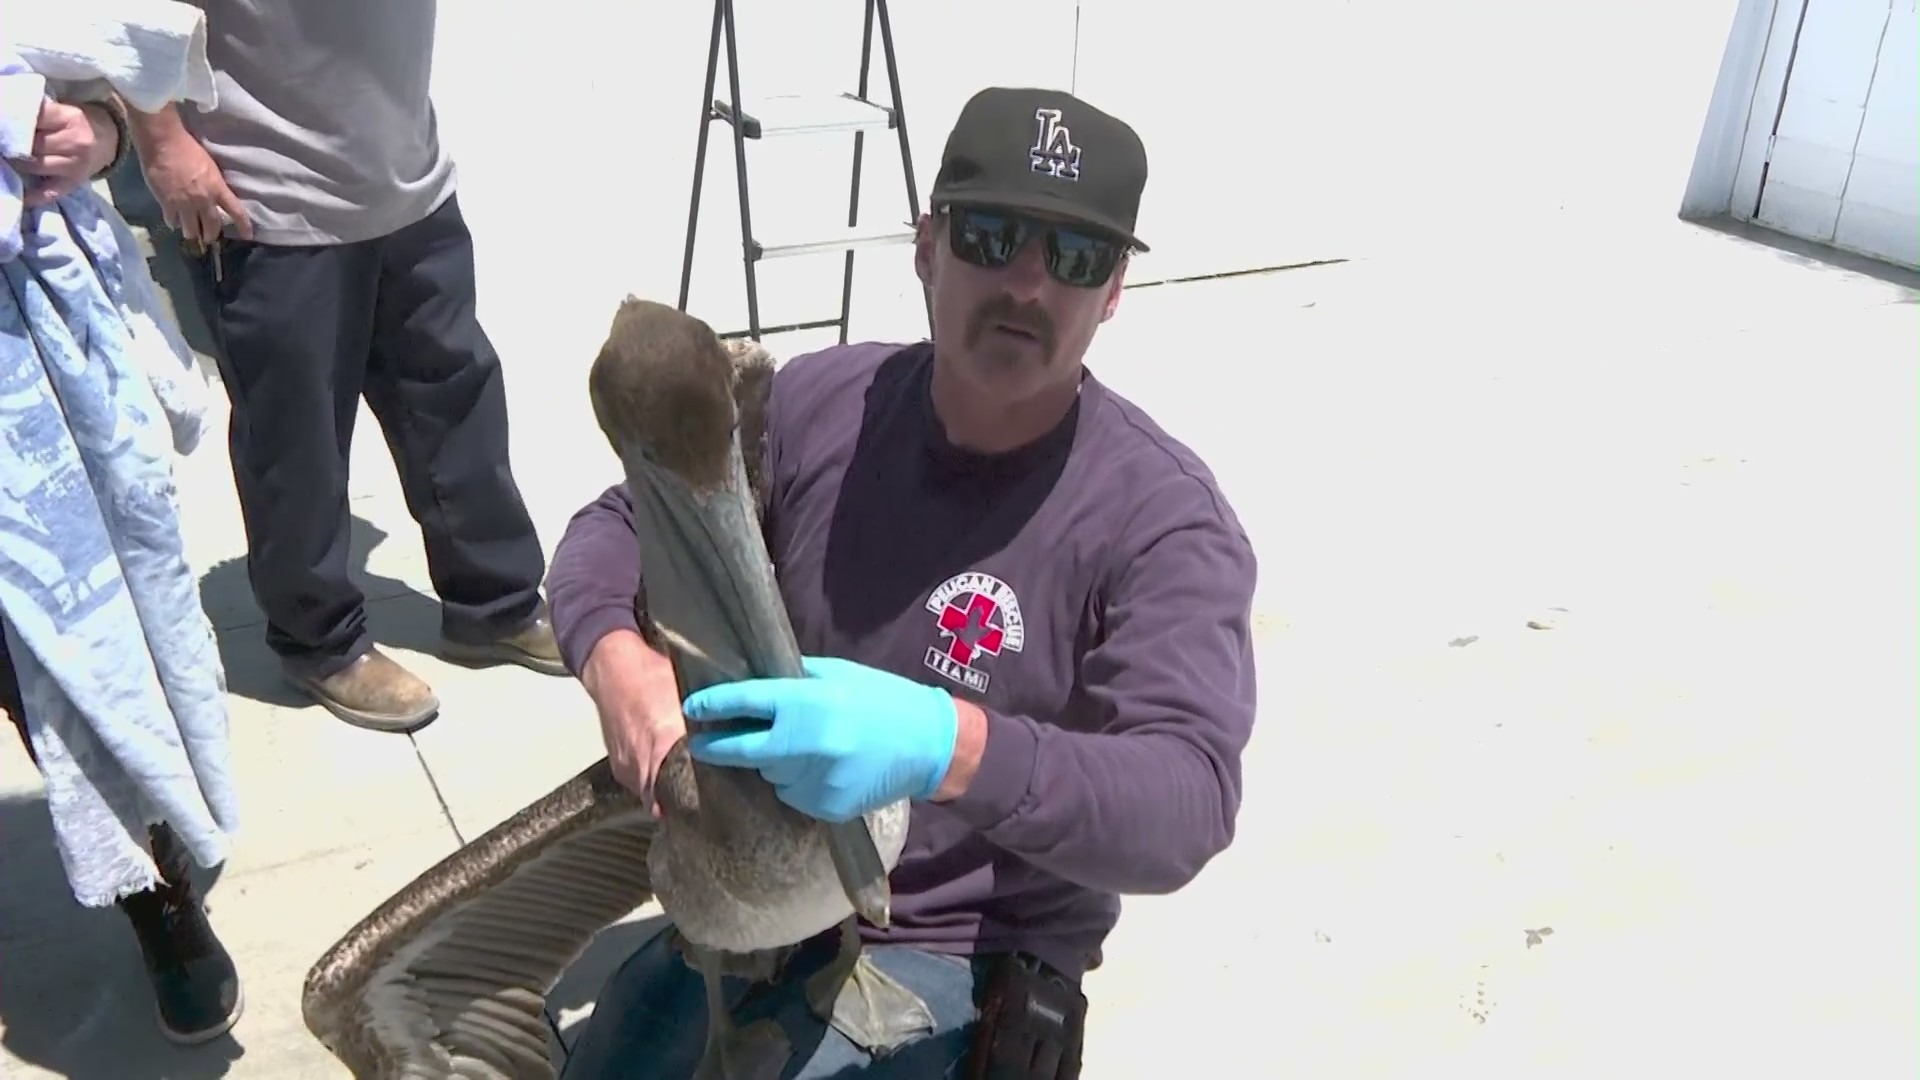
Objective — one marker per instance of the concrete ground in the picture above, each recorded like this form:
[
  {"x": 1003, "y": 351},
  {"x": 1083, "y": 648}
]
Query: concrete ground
[{"x": 1586, "y": 631}]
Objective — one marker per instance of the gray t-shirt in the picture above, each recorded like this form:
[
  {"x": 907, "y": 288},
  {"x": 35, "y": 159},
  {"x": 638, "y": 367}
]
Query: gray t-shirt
[{"x": 324, "y": 128}]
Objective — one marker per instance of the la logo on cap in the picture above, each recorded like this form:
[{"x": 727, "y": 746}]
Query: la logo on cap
[{"x": 1053, "y": 151}]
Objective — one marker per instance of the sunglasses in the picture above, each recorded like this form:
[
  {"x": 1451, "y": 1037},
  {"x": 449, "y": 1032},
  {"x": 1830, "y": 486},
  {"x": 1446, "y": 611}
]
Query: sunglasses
[{"x": 992, "y": 240}]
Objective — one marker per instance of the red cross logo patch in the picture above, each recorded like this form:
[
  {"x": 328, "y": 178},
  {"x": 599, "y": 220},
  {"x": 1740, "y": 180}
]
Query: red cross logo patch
[
  {"x": 978, "y": 617},
  {"x": 971, "y": 629}
]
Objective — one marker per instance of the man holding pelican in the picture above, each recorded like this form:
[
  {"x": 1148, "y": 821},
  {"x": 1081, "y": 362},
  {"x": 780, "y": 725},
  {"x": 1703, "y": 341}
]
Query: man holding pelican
[{"x": 1025, "y": 606}]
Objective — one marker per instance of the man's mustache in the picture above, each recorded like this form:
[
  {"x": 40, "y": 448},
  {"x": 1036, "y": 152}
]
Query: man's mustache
[{"x": 1004, "y": 310}]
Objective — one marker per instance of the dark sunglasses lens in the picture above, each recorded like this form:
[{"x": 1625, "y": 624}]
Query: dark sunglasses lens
[
  {"x": 990, "y": 240},
  {"x": 1073, "y": 257},
  {"x": 1078, "y": 259}
]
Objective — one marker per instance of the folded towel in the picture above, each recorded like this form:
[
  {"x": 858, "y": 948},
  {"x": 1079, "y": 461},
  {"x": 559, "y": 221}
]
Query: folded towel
[
  {"x": 21, "y": 92},
  {"x": 150, "y": 52},
  {"x": 124, "y": 690}
]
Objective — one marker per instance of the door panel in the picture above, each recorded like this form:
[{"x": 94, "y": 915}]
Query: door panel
[
  {"x": 1826, "y": 102},
  {"x": 1880, "y": 214}
]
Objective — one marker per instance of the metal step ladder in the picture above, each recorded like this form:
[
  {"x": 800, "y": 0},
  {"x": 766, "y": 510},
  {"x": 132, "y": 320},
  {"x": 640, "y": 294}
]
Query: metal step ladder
[{"x": 819, "y": 114}]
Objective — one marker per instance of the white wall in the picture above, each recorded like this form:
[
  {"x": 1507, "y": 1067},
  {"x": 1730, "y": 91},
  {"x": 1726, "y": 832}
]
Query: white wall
[
  {"x": 599, "y": 157},
  {"x": 1251, "y": 115},
  {"x": 1276, "y": 134},
  {"x": 1328, "y": 128}
]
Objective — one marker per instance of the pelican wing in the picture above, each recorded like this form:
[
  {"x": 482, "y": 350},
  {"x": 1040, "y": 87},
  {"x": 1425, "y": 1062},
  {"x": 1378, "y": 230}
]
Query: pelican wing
[{"x": 449, "y": 977}]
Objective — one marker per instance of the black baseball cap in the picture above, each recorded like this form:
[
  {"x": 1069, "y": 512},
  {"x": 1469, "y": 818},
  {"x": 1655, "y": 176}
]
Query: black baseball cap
[{"x": 1047, "y": 152}]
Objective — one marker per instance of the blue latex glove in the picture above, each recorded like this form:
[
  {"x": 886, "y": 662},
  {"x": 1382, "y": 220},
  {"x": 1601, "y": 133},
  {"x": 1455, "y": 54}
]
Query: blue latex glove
[{"x": 845, "y": 740}]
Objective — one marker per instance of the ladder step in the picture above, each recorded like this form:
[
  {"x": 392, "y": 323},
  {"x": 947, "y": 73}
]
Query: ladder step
[
  {"x": 860, "y": 236},
  {"x": 787, "y": 328},
  {"x": 805, "y": 114}
]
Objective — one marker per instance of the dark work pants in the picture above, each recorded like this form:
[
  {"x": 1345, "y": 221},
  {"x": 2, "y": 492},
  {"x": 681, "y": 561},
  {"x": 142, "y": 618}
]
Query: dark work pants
[
  {"x": 650, "y": 1020},
  {"x": 302, "y": 334}
]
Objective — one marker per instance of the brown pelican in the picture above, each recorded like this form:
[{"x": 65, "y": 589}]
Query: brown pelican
[{"x": 448, "y": 978}]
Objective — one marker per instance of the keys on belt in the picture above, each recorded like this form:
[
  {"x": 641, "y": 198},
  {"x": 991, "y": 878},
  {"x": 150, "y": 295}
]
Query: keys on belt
[{"x": 195, "y": 249}]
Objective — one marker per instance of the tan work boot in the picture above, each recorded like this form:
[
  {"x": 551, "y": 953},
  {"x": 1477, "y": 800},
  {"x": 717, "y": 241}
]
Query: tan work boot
[
  {"x": 534, "y": 648},
  {"x": 374, "y": 692}
]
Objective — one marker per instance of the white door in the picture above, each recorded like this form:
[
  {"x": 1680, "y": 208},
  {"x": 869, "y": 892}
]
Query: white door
[
  {"x": 1833, "y": 144},
  {"x": 1880, "y": 212}
]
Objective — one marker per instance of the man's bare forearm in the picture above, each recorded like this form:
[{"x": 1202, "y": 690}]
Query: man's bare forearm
[
  {"x": 157, "y": 127},
  {"x": 623, "y": 657}
]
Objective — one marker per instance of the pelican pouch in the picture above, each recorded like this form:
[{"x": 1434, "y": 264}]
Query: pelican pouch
[{"x": 1032, "y": 1023}]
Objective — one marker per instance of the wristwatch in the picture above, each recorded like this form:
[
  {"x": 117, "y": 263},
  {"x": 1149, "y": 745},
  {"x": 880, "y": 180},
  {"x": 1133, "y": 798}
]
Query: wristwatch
[{"x": 122, "y": 137}]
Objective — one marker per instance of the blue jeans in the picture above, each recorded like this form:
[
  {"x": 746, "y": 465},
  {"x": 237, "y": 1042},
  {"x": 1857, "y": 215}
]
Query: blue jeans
[{"x": 650, "y": 1021}]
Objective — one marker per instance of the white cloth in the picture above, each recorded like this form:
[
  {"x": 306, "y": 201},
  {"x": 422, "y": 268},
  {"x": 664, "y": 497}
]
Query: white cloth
[
  {"x": 150, "y": 52},
  {"x": 125, "y": 695},
  {"x": 21, "y": 91},
  {"x": 159, "y": 347}
]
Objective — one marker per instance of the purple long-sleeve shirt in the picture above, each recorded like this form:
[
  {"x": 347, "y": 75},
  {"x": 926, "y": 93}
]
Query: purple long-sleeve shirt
[{"x": 1091, "y": 592}]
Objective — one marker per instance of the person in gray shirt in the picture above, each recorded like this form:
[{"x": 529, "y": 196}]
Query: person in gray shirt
[{"x": 331, "y": 262}]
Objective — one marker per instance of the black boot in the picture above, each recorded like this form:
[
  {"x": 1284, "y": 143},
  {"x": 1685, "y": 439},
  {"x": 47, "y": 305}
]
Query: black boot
[{"x": 196, "y": 989}]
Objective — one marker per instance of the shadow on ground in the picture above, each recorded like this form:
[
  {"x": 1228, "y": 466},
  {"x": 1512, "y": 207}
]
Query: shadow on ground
[
  {"x": 1811, "y": 255},
  {"x": 73, "y": 996},
  {"x": 240, "y": 628}
]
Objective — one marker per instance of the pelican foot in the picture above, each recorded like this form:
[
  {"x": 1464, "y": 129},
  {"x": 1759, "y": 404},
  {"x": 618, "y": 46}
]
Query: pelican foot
[
  {"x": 758, "y": 1051},
  {"x": 871, "y": 1008}
]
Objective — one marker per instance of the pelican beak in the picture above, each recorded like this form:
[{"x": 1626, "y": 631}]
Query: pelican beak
[{"x": 712, "y": 598}]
